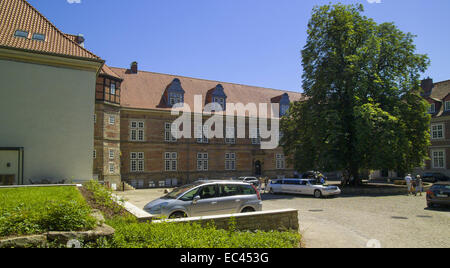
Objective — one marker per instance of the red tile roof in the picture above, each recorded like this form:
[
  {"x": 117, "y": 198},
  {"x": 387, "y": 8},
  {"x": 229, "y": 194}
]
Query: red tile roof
[
  {"x": 144, "y": 90},
  {"x": 20, "y": 15}
]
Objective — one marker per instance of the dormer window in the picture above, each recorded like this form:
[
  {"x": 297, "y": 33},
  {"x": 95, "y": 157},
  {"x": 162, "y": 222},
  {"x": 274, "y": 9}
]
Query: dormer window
[
  {"x": 22, "y": 34},
  {"x": 284, "y": 102},
  {"x": 39, "y": 37},
  {"x": 174, "y": 93},
  {"x": 113, "y": 89},
  {"x": 447, "y": 106},
  {"x": 217, "y": 96},
  {"x": 175, "y": 98},
  {"x": 432, "y": 108},
  {"x": 220, "y": 101}
]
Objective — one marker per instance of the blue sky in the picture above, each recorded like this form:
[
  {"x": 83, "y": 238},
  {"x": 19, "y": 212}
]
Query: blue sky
[{"x": 252, "y": 42}]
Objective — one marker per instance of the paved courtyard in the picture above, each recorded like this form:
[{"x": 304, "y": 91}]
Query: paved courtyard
[{"x": 394, "y": 221}]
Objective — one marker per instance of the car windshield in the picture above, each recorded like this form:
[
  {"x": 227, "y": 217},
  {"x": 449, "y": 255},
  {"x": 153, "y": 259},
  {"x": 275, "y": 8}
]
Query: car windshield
[{"x": 180, "y": 191}]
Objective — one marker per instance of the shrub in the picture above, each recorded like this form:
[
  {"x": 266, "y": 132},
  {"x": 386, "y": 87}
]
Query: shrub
[
  {"x": 131, "y": 234},
  {"x": 27, "y": 211},
  {"x": 103, "y": 198}
]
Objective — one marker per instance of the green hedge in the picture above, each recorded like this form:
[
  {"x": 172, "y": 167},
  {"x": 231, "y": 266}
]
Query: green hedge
[
  {"x": 27, "y": 211},
  {"x": 131, "y": 234}
]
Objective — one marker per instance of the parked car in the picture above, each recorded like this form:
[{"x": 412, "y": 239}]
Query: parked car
[
  {"x": 205, "y": 198},
  {"x": 434, "y": 177},
  {"x": 439, "y": 194},
  {"x": 302, "y": 186},
  {"x": 250, "y": 180}
]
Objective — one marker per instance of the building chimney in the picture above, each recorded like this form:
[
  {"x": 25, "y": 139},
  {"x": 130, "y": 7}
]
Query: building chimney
[
  {"x": 427, "y": 86},
  {"x": 134, "y": 67},
  {"x": 80, "y": 40}
]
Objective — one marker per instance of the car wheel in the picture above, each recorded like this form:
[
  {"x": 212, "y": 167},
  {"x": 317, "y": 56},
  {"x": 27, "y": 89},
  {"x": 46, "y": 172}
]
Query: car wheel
[
  {"x": 317, "y": 194},
  {"x": 248, "y": 210},
  {"x": 178, "y": 215}
]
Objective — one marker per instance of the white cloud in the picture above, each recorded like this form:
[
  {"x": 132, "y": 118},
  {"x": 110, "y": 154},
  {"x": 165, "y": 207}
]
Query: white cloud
[
  {"x": 74, "y": 1},
  {"x": 374, "y": 1}
]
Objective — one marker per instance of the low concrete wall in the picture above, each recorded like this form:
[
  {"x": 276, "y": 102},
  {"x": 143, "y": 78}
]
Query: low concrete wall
[
  {"x": 380, "y": 190},
  {"x": 276, "y": 220}
]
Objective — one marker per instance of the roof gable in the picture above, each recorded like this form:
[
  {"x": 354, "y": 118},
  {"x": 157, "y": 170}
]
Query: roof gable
[{"x": 20, "y": 15}]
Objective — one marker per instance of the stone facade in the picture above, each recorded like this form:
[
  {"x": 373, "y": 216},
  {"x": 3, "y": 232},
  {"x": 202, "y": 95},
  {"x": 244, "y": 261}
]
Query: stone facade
[{"x": 140, "y": 142}]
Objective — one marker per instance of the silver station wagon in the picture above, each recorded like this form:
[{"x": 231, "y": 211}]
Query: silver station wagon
[
  {"x": 302, "y": 186},
  {"x": 204, "y": 198}
]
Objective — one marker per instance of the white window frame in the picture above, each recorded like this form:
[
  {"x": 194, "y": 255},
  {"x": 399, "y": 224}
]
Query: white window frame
[
  {"x": 447, "y": 106},
  {"x": 175, "y": 98},
  {"x": 112, "y": 90},
  {"x": 112, "y": 120},
  {"x": 202, "y": 161},
  {"x": 137, "y": 130},
  {"x": 280, "y": 161},
  {"x": 204, "y": 133},
  {"x": 432, "y": 108},
  {"x": 228, "y": 140},
  {"x": 137, "y": 162},
  {"x": 230, "y": 161},
  {"x": 438, "y": 131},
  {"x": 168, "y": 137},
  {"x": 438, "y": 159},
  {"x": 255, "y": 132},
  {"x": 95, "y": 118},
  {"x": 112, "y": 168},
  {"x": 112, "y": 154},
  {"x": 171, "y": 161},
  {"x": 220, "y": 101}
]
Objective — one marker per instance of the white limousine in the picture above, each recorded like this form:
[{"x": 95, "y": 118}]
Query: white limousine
[{"x": 302, "y": 186}]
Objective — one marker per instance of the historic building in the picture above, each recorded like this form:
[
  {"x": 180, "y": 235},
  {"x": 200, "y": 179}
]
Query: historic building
[
  {"x": 133, "y": 134},
  {"x": 438, "y": 95}
]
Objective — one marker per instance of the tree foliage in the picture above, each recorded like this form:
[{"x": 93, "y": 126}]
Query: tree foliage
[{"x": 363, "y": 108}]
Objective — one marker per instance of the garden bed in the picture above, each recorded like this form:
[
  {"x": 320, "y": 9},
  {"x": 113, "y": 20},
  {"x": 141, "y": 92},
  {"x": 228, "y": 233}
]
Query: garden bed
[{"x": 38, "y": 210}]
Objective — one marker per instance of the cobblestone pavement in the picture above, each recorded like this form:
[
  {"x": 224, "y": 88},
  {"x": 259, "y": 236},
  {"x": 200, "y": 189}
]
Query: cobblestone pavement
[{"x": 394, "y": 221}]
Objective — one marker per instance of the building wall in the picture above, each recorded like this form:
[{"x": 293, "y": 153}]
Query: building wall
[
  {"x": 440, "y": 144},
  {"x": 154, "y": 148},
  {"x": 48, "y": 111}
]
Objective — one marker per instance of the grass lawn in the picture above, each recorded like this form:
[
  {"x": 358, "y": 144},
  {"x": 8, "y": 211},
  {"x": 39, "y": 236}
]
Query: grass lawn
[{"x": 35, "y": 210}]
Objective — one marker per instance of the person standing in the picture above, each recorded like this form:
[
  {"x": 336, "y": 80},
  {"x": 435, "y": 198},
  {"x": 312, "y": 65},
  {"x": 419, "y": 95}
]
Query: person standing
[
  {"x": 408, "y": 180},
  {"x": 419, "y": 185}
]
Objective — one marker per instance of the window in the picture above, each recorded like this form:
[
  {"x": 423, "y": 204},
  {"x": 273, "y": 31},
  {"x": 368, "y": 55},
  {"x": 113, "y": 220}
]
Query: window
[
  {"x": 112, "y": 120},
  {"x": 230, "y": 161},
  {"x": 171, "y": 161},
  {"x": 280, "y": 161},
  {"x": 137, "y": 131},
  {"x": 95, "y": 119},
  {"x": 113, "y": 89},
  {"x": 437, "y": 131},
  {"x": 255, "y": 136},
  {"x": 220, "y": 101},
  {"x": 168, "y": 137},
  {"x": 447, "y": 106},
  {"x": 202, "y": 161},
  {"x": 208, "y": 192},
  {"x": 95, "y": 154},
  {"x": 19, "y": 33},
  {"x": 438, "y": 158},
  {"x": 137, "y": 162},
  {"x": 111, "y": 154},
  {"x": 112, "y": 168},
  {"x": 203, "y": 133},
  {"x": 38, "y": 37},
  {"x": 284, "y": 109},
  {"x": 230, "y": 136},
  {"x": 432, "y": 108},
  {"x": 175, "y": 98}
]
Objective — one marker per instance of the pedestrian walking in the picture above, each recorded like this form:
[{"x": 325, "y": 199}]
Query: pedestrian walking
[
  {"x": 419, "y": 185},
  {"x": 408, "y": 180}
]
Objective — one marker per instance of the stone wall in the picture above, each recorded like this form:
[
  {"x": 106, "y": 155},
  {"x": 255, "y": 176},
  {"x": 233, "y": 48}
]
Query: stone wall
[{"x": 277, "y": 220}]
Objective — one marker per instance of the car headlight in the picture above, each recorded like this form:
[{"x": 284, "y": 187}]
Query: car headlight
[{"x": 157, "y": 209}]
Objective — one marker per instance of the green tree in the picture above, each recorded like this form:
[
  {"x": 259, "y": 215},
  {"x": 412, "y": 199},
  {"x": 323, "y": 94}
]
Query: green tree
[{"x": 363, "y": 108}]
